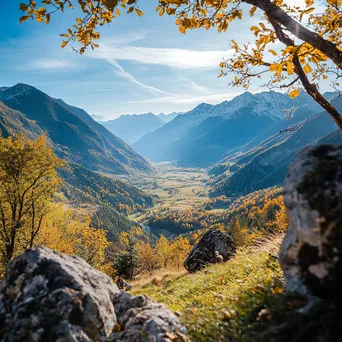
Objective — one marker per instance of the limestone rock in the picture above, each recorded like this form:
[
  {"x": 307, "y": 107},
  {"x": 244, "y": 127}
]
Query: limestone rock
[
  {"x": 311, "y": 252},
  {"x": 48, "y": 296},
  {"x": 214, "y": 247}
]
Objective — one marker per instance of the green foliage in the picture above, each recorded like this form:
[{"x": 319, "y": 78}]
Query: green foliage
[{"x": 126, "y": 264}]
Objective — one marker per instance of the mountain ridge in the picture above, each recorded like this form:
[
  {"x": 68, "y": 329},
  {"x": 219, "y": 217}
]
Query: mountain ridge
[
  {"x": 174, "y": 141},
  {"x": 87, "y": 143},
  {"x": 132, "y": 127}
]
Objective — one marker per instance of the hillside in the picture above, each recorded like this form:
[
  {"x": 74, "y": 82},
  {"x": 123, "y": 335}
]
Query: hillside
[
  {"x": 131, "y": 128},
  {"x": 107, "y": 200},
  {"x": 220, "y": 302},
  {"x": 214, "y": 140},
  {"x": 191, "y": 140},
  {"x": 80, "y": 140},
  {"x": 97, "y": 188},
  {"x": 13, "y": 122},
  {"x": 334, "y": 138}
]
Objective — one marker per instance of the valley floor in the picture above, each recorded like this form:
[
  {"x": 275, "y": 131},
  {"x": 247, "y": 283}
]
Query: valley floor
[
  {"x": 177, "y": 188},
  {"x": 222, "y": 302}
]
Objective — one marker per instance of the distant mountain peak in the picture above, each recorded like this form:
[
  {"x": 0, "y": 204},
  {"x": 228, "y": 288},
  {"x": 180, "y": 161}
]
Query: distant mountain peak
[
  {"x": 203, "y": 106},
  {"x": 131, "y": 127},
  {"x": 20, "y": 89}
]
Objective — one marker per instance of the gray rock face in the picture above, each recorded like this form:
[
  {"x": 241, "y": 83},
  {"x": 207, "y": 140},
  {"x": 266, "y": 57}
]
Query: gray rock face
[
  {"x": 48, "y": 296},
  {"x": 311, "y": 252},
  {"x": 214, "y": 247}
]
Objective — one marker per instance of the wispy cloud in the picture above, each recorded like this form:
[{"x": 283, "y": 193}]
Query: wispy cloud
[
  {"x": 173, "y": 58},
  {"x": 190, "y": 99},
  {"x": 119, "y": 70},
  {"x": 194, "y": 86},
  {"x": 49, "y": 64}
]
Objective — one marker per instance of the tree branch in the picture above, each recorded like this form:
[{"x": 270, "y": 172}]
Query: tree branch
[
  {"x": 280, "y": 16},
  {"x": 310, "y": 88}
]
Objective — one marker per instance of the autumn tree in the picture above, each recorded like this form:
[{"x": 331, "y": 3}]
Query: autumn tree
[
  {"x": 164, "y": 251},
  {"x": 91, "y": 245},
  {"x": 180, "y": 248},
  {"x": 69, "y": 231},
  {"x": 309, "y": 35},
  {"x": 28, "y": 180},
  {"x": 148, "y": 257}
]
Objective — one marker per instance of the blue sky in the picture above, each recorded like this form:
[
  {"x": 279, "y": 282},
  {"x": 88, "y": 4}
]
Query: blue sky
[{"x": 143, "y": 64}]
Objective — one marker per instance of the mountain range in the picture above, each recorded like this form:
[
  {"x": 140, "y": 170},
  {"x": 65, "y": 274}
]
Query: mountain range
[
  {"x": 265, "y": 164},
  {"x": 247, "y": 139},
  {"x": 208, "y": 133},
  {"x": 74, "y": 134},
  {"x": 132, "y": 127},
  {"x": 168, "y": 117}
]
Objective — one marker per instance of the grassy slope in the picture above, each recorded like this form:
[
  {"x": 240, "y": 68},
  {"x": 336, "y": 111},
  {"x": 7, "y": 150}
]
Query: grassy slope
[{"x": 222, "y": 301}]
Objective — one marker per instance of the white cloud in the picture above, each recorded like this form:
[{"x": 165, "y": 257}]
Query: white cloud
[
  {"x": 173, "y": 58},
  {"x": 119, "y": 70},
  {"x": 49, "y": 64},
  {"x": 191, "y": 99}
]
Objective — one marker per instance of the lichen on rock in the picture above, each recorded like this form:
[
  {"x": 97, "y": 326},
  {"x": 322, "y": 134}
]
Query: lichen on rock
[
  {"x": 311, "y": 253},
  {"x": 48, "y": 296}
]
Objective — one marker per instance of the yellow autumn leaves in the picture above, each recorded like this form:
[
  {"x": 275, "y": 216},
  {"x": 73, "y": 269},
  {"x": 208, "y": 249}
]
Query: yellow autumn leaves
[
  {"x": 84, "y": 31},
  {"x": 31, "y": 213}
]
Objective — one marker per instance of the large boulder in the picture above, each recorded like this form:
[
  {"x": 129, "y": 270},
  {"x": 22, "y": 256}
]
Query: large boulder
[
  {"x": 214, "y": 247},
  {"x": 311, "y": 252},
  {"x": 48, "y": 296}
]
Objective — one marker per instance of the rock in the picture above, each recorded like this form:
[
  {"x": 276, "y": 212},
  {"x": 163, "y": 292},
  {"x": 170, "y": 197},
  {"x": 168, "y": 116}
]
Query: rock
[
  {"x": 214, "y": 247},
  {"x": 123, "y": 284},
  {"x": 48, "y": 296},
  {"x": 311, "y": 252},
  {"x": 140, "y": 316}
]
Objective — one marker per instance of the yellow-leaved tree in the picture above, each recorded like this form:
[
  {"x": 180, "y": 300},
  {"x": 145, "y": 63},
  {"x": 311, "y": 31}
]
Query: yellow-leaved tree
[
  {"x": 30, "y": 215},
  {"x": 70, "y": 232},
  {"x": 28, "y": 180},
  {"x": 309, "y": 36},
  {"x": 180, "y": 249},
  {"x": 164, "y": 250}
]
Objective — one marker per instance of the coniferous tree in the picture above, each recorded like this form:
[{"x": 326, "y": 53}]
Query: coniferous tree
[{"x": 126, "y": 263}]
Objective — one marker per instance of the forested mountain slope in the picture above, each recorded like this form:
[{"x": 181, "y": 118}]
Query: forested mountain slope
[
  {"x": 107, "y": 200},
  {"x": 76, "y": 137}
]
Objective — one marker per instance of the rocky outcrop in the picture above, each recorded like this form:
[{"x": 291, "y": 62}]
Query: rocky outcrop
[
  {"x": 311, "y": 252},
  {"x": 48, "y": 296},
  {"x": 214, "y": 247}
]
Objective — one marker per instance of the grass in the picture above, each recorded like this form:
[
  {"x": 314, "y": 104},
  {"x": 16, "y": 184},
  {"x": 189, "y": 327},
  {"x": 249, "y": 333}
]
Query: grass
[{"x": 221, "y": 303}]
